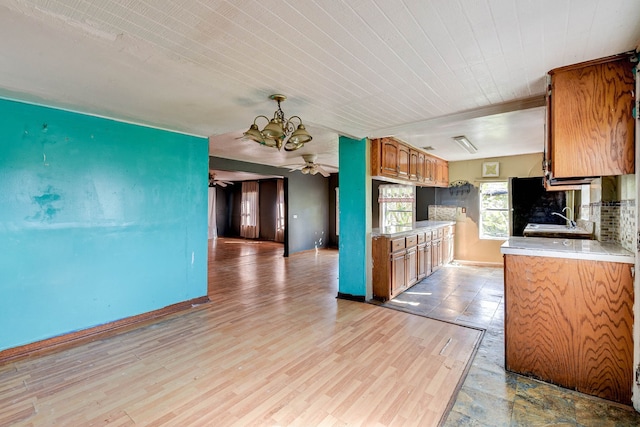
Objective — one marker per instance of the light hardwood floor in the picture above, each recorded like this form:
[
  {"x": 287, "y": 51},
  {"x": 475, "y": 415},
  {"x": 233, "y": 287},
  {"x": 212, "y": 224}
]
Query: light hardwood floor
[{"x": 274, "y": 347}]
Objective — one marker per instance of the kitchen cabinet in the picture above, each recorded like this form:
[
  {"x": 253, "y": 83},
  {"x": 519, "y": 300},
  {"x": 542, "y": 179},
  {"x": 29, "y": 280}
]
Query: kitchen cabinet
[
  {"x": 411, "y": 260},
  {"x": 390, "y": 259},
  {"x": 590, "y": 126},
  {"x": 447, "y": 244},
  {"x": 413, "y": 165},
  {"x": 439, "y": 172},
  {"x": 569, "y": 322},
  {"x": 424, "y": 255},
  {"x": 398, "y": 272},
  {"x": 436, "y": 249},
  {"x": 421, "y": 167},
  {"x": 397, "y": 162},
  {"x": 400, "y": 262},
  {"x": 422, "y": 251},
  {"x": 388, "y": 157},
  {"x": 404, "y": 161}
]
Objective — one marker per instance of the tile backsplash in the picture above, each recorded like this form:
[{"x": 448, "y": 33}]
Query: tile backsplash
[
  {"x": 442, "y": 213},
  {"x": 615, "y": 222}
]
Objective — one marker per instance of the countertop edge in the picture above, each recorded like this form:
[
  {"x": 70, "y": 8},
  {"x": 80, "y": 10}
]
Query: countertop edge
[
  {"x": 592, "y": 250},
  {"x": 569, "y": 255},
  {"x": 419, "y": 226}
]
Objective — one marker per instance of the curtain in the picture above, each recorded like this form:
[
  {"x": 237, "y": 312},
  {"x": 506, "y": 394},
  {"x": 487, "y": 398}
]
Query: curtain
[
  {"x": 213, "y": 229},
  {"x": 249, "y": 223},
  {"x": 280, "y": 211}
]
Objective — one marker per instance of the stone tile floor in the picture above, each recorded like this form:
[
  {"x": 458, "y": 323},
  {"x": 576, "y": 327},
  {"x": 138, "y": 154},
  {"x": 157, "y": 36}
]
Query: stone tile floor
[{"x": 490, "y": 396}]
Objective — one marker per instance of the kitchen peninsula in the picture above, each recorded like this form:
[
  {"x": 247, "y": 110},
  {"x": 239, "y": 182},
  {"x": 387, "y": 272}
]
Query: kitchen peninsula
[
  {"x": 402, "y": 256},
  {"x": 569, "y": 314}
]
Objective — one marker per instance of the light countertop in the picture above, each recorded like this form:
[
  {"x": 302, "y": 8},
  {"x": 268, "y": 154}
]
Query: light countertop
[
  {"x": 418, "y": 226},
  {"x": 567, "y": 248}
]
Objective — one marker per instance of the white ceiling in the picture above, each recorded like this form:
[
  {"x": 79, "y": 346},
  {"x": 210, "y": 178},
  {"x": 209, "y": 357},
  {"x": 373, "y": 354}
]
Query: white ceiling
[{"x": 421, "y": 70}]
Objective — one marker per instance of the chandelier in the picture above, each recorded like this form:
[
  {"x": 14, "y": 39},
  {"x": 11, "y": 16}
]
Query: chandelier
[{"x": 279, "y": 131}]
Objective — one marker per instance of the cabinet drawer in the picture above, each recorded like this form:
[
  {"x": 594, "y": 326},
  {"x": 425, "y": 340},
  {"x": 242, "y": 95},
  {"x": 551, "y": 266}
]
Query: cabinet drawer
[
  {"x": 421, "y": 238},
  {"x": 397, "y": 244},
  {"x": 427, "y": 236},
  {"x": 440, "y": 232},
  {"x": 412, "y": 240}
]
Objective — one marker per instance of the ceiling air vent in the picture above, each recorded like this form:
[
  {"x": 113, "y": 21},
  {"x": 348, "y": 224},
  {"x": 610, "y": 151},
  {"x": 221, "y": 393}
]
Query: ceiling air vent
[{"x": 428, "y": 148}]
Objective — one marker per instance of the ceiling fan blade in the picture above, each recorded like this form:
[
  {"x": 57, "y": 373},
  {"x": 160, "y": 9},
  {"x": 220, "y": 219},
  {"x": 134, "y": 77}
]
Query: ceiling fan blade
[{"x": 322, "y": 171}]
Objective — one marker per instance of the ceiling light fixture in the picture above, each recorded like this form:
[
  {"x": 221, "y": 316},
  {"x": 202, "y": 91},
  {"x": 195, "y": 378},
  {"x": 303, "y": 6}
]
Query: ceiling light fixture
[
  {"x": 279, "y": 129},
  {"x": 465, "y": 143}
]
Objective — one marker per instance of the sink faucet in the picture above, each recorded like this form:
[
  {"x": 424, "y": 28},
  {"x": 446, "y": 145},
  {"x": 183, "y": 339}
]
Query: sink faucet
[{"x": 570, "y": 223}]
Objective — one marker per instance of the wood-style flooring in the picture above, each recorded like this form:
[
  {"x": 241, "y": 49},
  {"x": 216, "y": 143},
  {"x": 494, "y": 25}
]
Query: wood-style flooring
[{"x": 274, "y": 347}]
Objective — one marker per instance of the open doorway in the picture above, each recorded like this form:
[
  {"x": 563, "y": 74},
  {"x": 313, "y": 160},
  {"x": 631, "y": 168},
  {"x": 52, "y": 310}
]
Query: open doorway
[{"x": 249, "y": 206}]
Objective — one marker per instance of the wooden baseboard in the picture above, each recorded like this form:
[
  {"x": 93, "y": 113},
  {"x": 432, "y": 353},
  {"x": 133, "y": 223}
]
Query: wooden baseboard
[
  {"x": 97, "y": 332},
  {"x": 478, "y": 263},
  {"x": 358, "y": 298}
]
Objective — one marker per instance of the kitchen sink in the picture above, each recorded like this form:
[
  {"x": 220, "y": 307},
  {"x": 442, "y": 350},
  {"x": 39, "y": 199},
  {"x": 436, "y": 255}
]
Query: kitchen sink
[{"x": 555, "y": 230}]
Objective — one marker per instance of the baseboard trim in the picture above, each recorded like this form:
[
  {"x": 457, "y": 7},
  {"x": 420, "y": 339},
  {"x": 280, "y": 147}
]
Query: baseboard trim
[
  {"x": 358, "y": 298},
  {"x": 478, "y": 263},
  {"x": 97, "y": 332}
]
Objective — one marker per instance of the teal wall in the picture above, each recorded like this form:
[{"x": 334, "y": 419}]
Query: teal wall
[
  {"x": 355, "y": 217},
  {"x": 99, "y": 220}
]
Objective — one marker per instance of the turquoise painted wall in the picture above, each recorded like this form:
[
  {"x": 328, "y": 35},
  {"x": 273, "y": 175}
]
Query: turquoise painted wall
[
  {"x": 99, "y": 220},
  {"x": 354, "y": 214}
]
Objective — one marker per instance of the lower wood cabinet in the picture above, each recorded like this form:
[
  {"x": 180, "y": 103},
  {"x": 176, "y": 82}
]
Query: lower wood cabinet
[
  {"x": 401, "y": 262},
  {"x": 569, "y": 322}
]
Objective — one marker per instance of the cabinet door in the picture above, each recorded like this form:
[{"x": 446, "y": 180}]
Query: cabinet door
[
  {"x": 592, "y": 126},
  {"x": 389, "y": 157},
  {"x": 570, "y": 322},
  {"x": 403, "y": 161},
  {"x": 422, "y": 261},
  {"x": 539, "y": 313},
  {"x": 444, "y": 174},
  {"x": 604, "y": 332},
  {"x": 411, "y": 264},
  {"x": 422, "y": 167},
  {"x": 413, "y": 165},
  {"x": 398, "y": 277},
  {"x": 427, "y": 257},
  {"x": 429, "y": 170},
  {"x": 436, "y": 254}
]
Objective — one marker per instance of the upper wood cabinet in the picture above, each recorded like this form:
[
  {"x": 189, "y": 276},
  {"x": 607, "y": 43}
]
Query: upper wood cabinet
[
  {"x": 404, "y": 160},
  {"x": 388, "y": 158},
  {"x": 590, "y": 125},
  {"x": 398, "y": 162}
]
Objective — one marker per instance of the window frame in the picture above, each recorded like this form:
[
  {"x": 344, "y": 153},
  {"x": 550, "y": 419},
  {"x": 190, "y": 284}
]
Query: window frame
[
  {"x": 482, "y": 210},
  {"x": 382, "y": 204}
]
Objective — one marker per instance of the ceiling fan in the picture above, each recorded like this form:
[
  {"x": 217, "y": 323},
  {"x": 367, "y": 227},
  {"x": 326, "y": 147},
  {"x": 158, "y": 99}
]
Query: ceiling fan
[
  {"x": 311, "y": 167},
  {"x": 213, "y": 181}
]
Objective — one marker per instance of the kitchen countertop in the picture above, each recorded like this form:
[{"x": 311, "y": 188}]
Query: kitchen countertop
[
  {"x": 555, "y": 230},
  {"x": 592, "y": 250},
  {"x": 418, "y": 226}
]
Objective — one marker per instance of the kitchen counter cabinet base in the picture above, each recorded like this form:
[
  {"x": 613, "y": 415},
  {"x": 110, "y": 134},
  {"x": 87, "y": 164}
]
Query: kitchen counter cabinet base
[
  {"x": 569, "y": 322},
  {"x": 401, "y": 261}
]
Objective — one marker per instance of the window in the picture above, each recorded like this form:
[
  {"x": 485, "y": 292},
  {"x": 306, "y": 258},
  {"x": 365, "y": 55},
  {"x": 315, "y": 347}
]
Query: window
[
  {"x": 396, "y": 205},
  {"x": 249, "y": 226},
  {"x": 494, "y": 210}
]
